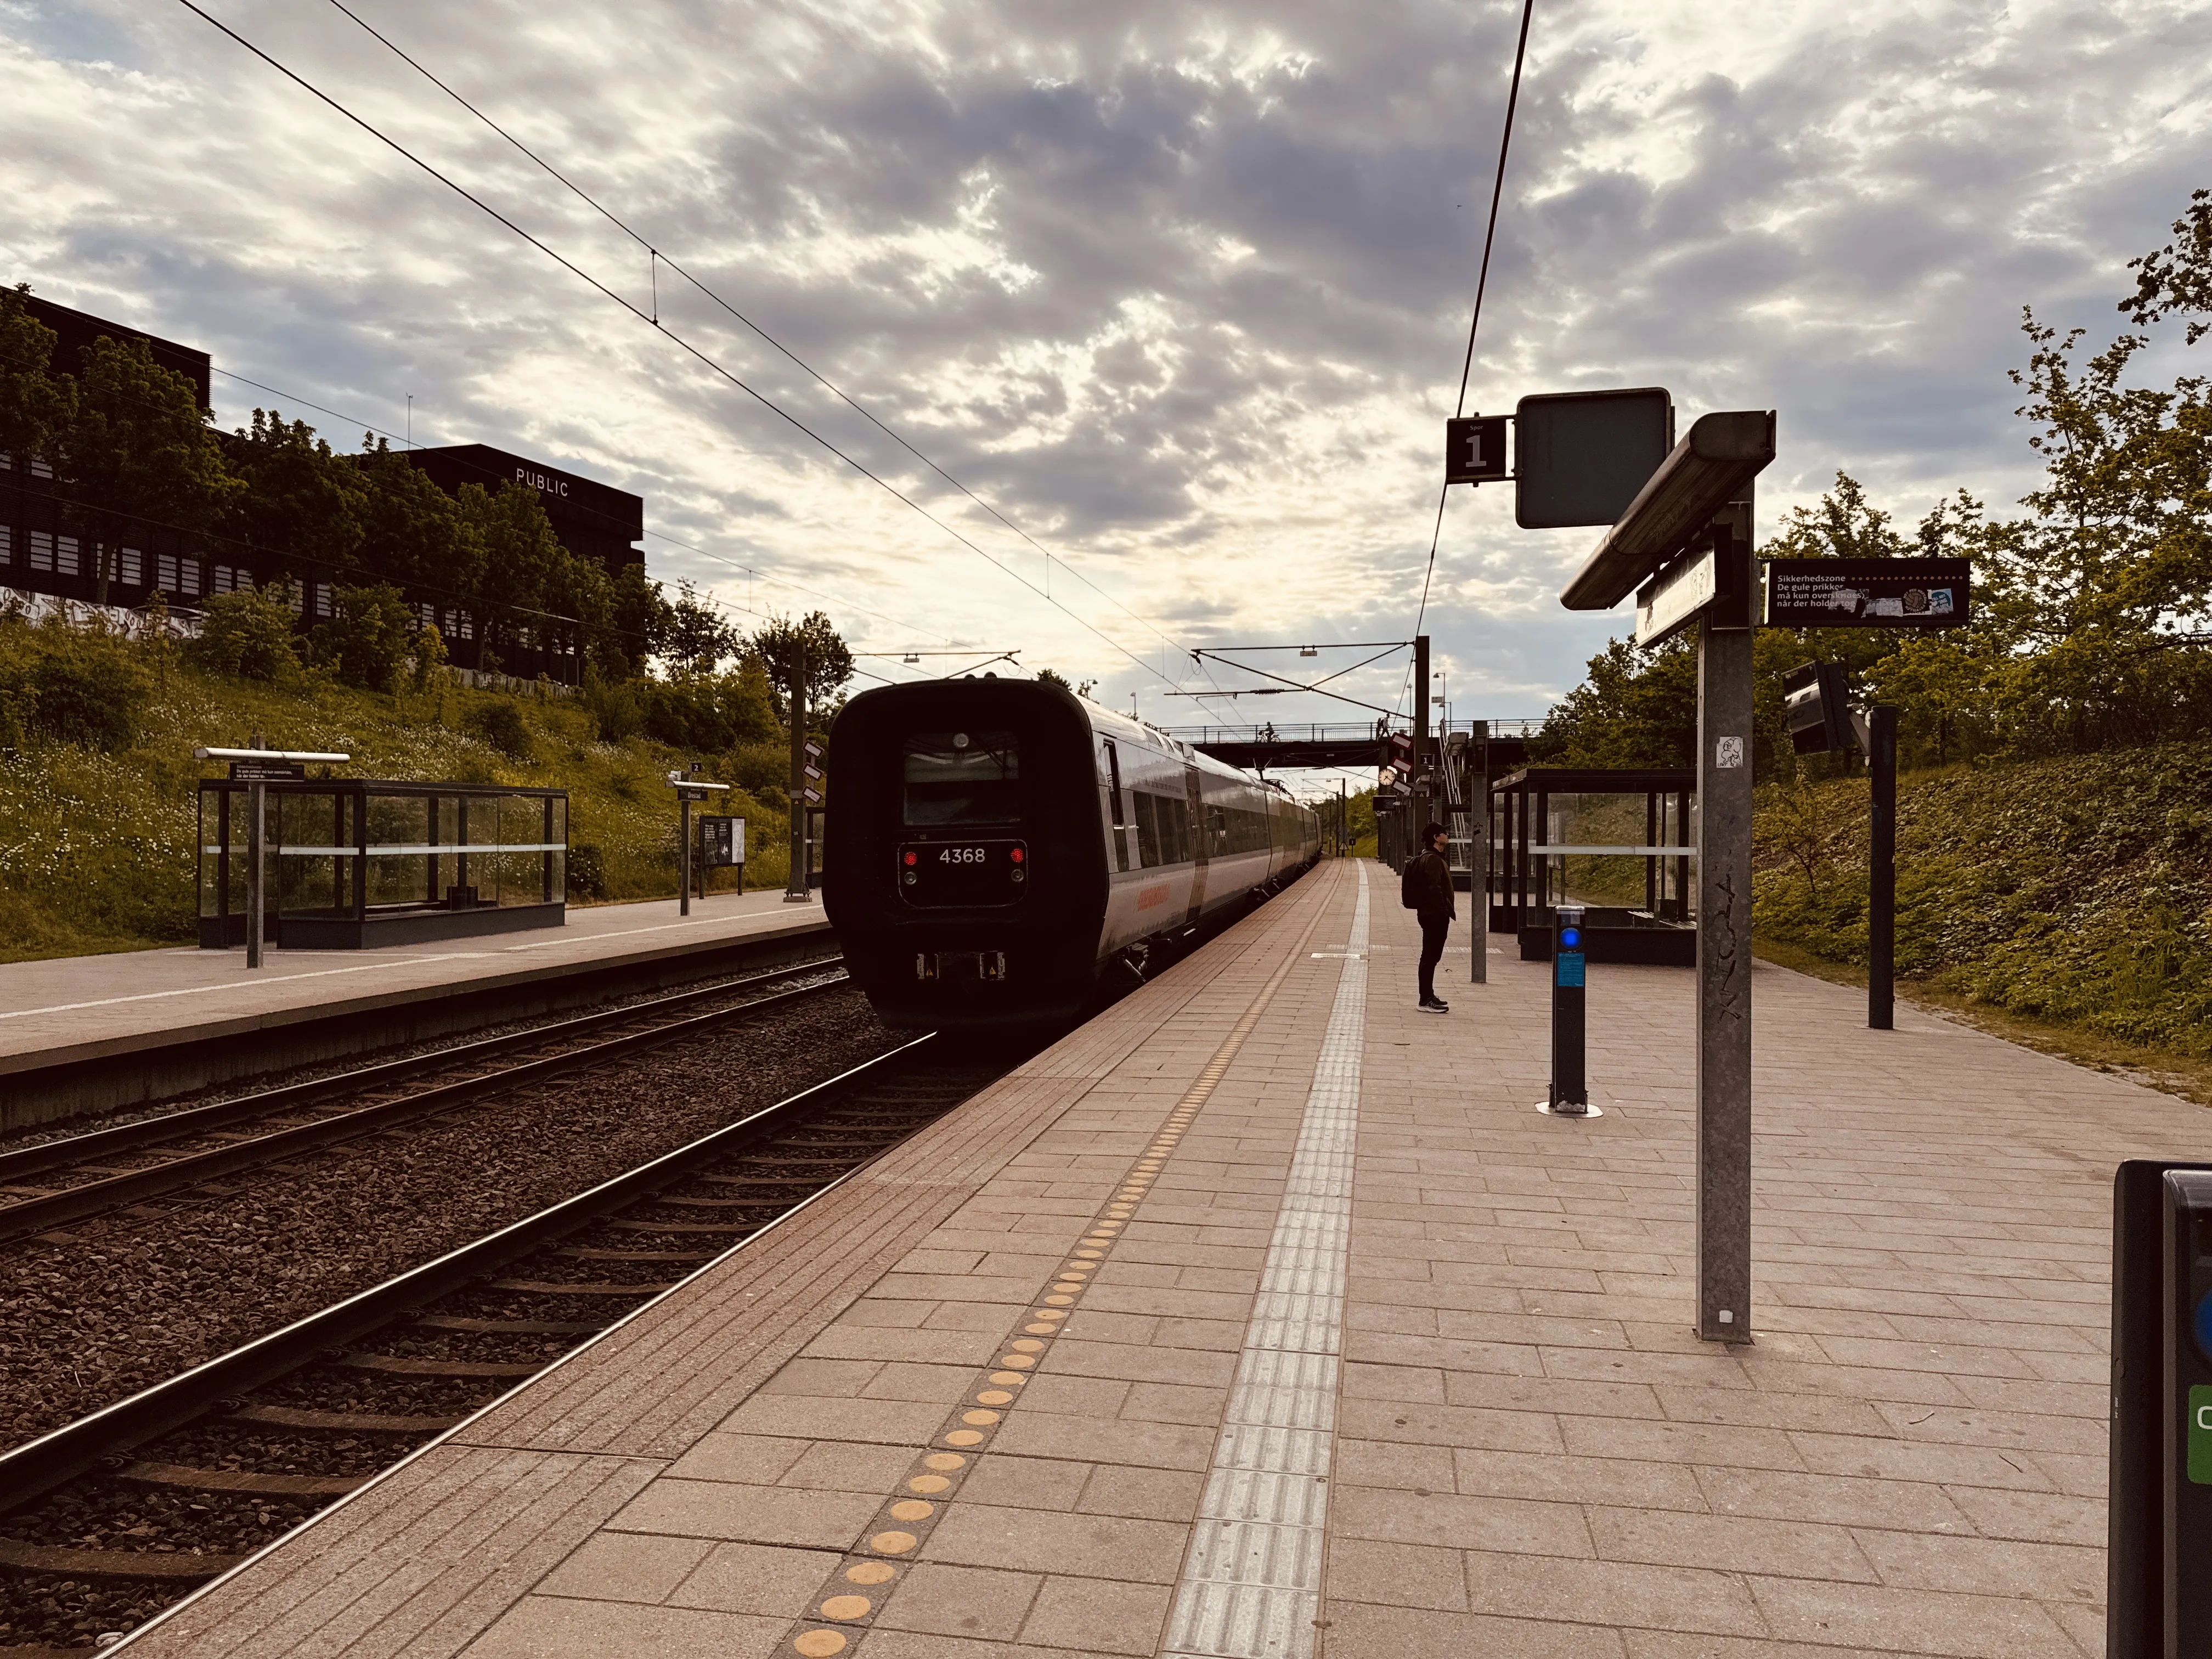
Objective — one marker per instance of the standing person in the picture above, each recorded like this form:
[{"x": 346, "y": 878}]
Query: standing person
[{"x": 1428, "y": 892}]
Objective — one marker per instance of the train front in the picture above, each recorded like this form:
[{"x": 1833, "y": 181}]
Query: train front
[{"x": 966, "y": 869}]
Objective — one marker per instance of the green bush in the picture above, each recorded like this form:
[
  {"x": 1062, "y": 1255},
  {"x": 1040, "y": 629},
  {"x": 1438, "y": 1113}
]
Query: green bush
[
  {"x": 588, "y": 873},
  {"x": 499, "y": 722},
  {"x": 82, "y": 685},
  {"x": 248, "y": 634},
  {"x": 370, "y": 639}
]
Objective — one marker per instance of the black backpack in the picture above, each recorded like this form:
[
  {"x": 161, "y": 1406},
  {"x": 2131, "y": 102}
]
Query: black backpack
[{"x": 1409, "y": 885}]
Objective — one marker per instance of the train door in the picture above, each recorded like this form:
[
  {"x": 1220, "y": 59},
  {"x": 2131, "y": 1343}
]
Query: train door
[
  {"x": 1201, "y": 850},
  {"x": 1118, "y": 812}
]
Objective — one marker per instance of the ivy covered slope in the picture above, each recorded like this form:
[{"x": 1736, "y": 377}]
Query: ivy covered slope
[
  {"x": 97, "y": 730},
  {"x": 2076, "y": 888}
]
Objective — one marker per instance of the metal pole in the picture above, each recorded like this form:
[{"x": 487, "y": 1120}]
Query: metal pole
[
  {"x": 1881, "y": 873},
  {"x": 256, "y": 798},
  {"x": 795, "y": 889},
  {"x": 1477, "y": 856},
  {"x": 683, "y": 902},
  {"x": 1725, "y": 714},
  {"x": 1421, "y": 806}
]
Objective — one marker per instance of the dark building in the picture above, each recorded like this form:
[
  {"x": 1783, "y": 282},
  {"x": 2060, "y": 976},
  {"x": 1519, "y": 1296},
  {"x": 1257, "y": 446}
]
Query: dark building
[
  {"x": 43, "y": 551},
  {"x": 591, "y": 519},
  {"x": 77, "y": 330}
]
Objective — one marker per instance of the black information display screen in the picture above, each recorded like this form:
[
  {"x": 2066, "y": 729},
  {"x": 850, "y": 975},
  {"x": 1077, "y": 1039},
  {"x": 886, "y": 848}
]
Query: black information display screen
[
  {"x": 963, "y": 872},
  {"x": 1867, "y": 593}
]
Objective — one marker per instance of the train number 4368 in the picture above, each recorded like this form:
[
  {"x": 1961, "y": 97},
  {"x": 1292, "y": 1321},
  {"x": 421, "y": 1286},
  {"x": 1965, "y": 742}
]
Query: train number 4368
[{"x": 961, "y": 855}]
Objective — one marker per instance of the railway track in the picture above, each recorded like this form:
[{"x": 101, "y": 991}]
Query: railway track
[
  {"x": 129, "y": 1509},
  {"x": 55, "y": 1183}
]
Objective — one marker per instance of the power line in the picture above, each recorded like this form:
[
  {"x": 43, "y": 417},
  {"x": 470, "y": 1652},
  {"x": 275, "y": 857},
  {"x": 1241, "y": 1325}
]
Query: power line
[
  {"x": 1482, "y": 282},
  {"x": 657, "y": 258}
]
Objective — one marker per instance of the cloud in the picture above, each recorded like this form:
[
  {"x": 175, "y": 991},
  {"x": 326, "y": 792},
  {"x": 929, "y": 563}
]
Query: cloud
[{"x": 1182, "y": 291}]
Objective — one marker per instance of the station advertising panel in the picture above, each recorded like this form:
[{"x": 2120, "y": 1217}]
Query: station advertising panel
[{"x": 1867, "y": 593}]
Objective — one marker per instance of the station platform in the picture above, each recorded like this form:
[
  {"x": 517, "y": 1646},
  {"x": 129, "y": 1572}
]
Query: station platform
[
  {"x": 1265, "y": 1315},
  {"x": 80, "y": 1034}
]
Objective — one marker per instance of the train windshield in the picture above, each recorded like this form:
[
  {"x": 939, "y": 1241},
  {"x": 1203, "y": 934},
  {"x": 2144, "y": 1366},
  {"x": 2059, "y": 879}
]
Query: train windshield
[{"x": 955, "y": 779}]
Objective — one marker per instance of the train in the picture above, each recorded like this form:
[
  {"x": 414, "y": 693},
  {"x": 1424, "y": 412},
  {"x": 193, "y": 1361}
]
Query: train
[{"x": 997, "y": 847}]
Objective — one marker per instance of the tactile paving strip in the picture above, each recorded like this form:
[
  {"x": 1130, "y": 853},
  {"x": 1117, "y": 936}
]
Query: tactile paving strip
[
  {"x": 1250, "y": 1587},
  {"x": 853, "y": 1597}
]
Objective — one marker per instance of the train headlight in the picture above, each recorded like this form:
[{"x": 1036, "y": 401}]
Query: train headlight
[
  {"x": 910, "y": 878},
  {"x": 1018, "y": 876}
]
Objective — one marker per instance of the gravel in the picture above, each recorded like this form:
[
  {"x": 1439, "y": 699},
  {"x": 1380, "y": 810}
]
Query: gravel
[{"x": 87, "y": 1323}]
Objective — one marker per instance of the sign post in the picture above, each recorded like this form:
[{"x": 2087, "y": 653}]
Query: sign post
[
  {"x": 1570, "y": 1090},
  {"x": 1477, "y": 855},
  {"x": 257, "y": 769},
  {"x": 804, "y": 751},
  {"x": 689, "y": 788},
  {"x": 1696, "y": 504},
  {"x": 1881, "y": 870}
]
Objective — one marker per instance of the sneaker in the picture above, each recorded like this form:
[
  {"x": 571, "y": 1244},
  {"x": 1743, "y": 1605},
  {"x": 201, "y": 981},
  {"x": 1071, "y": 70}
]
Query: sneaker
[{"x": 1435, "y": 1007}]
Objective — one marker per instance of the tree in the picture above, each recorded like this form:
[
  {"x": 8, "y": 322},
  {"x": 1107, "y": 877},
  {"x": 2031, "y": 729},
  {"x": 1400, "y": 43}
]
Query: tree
[
  {"x": 695, "y": 637},
  {"x": 2178, "y": 277},
  {"x": 137, "y": 447},
  {"x": 301, "y": 502},
  {"x": 781, "y": 644},
  {"x": 413, "y": 533},
  {"x": 369, "y": 638},
  {"x": 35, "y": 408},
  {"x": 638, "y": 628},
  {"x": 520, "y": 553},
  {"x": 248, "y": 634}
]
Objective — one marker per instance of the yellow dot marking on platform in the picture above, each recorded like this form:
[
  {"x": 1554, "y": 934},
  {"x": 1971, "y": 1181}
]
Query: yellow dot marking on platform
[
  {"x": 1058, "y": 1301},
  {"x": 871, "y": 1572},
  {"x": 893, "y": 1543},
  {"x": 963, "y": 1437},
  {"x": 847, "y": 1606},
  {"x": 819, "y": 1643},
  {"x": 1008, "y": 1376},
  {"x": 1090, "y": 1255},
  {"x": 931, "y": 1483},
  {"x": 980, "y": 1419},
  {"x": 1026, "y": 1347},
  {"x": 1019, "y": 1361},
  {"x": 944, "y": 1461},
  {"x": 1040, "y": 1330},
  {"x": 912, "y": 1509},
  {"x": 995, "y": 1397},
  {"x": 1050, "y": 1313}
]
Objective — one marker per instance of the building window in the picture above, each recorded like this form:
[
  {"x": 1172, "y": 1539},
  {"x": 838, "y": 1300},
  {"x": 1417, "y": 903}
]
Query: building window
[
  {"x": 188, "y": 577},
  {"x": 65, "y": 555},
  {"x": 223, "y": 573},
  {"x": 130, "y": 567},
  {"x": 41, "y": 467},
  {"x": 42, "y": 550},
  {"x": 468, "y": 626},
  {"x": 7, "y": 544}
]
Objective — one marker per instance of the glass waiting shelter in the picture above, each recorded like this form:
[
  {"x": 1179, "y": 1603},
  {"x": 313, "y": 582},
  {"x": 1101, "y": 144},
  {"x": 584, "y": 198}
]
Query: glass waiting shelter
[
  {"x": 356, "y": 863},
  {"x": 1619, "y": 843}
]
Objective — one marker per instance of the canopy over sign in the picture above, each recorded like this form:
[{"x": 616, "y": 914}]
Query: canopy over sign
[
  {"x": 1867, "y": 593},
  {"x": 1580, "y": 456},
  {"x": 1708, "y": 469}
]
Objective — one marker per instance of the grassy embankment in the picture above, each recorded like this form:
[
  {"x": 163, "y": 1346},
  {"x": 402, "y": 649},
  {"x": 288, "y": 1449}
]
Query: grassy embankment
[
  {"x": 2065, "y": 903},
  {"x": 96, "y": 847}
]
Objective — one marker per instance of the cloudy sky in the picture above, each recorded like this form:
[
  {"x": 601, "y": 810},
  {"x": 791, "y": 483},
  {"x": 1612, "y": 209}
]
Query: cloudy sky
[{"x": 1181, "y": 290}]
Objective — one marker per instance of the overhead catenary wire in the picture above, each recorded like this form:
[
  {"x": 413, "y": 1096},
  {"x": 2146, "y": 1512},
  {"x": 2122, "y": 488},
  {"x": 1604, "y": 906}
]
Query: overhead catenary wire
[
  {"x": 683, "y": 345},
  {"x": 657, "y": 257},
  {"x": 1481, "y": 283}
]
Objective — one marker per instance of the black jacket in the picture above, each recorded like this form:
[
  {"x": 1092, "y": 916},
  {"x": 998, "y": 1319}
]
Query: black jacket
[{"x": 1432, "y": 881}]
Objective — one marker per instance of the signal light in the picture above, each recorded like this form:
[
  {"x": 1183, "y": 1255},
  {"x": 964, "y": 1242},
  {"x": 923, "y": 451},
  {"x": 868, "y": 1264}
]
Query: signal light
[
  {"x": 1572, "y": 938},
  {"x": 1018, "y": 855},
  {"x": 909, "y": 858},
  {"x": 1814, "y": 708}
]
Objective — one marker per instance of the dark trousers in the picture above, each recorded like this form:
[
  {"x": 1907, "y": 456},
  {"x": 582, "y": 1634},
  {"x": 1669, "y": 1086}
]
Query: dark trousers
[{"x": 1433, "y": 929}]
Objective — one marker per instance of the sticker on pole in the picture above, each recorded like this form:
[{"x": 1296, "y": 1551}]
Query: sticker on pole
[
  {"x": 1727, "y": 754},
  {"x": 1571, "y": 970},
  {"x": 2200, "y": 1435}
]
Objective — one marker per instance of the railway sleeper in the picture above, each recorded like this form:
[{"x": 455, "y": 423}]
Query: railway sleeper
[
  {"x": 274, "y": 1486},
  {"x": 686, "y": 1226},
  {"x": 594, "y": 1287},
  {"x": 408, "y": 1365},
  {"x": 17, "y": 1557},
  {"x": 511, "y": 1326},
  {"x": 292, "y": 1417},
  {"x": 579, "y": 1253}
]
